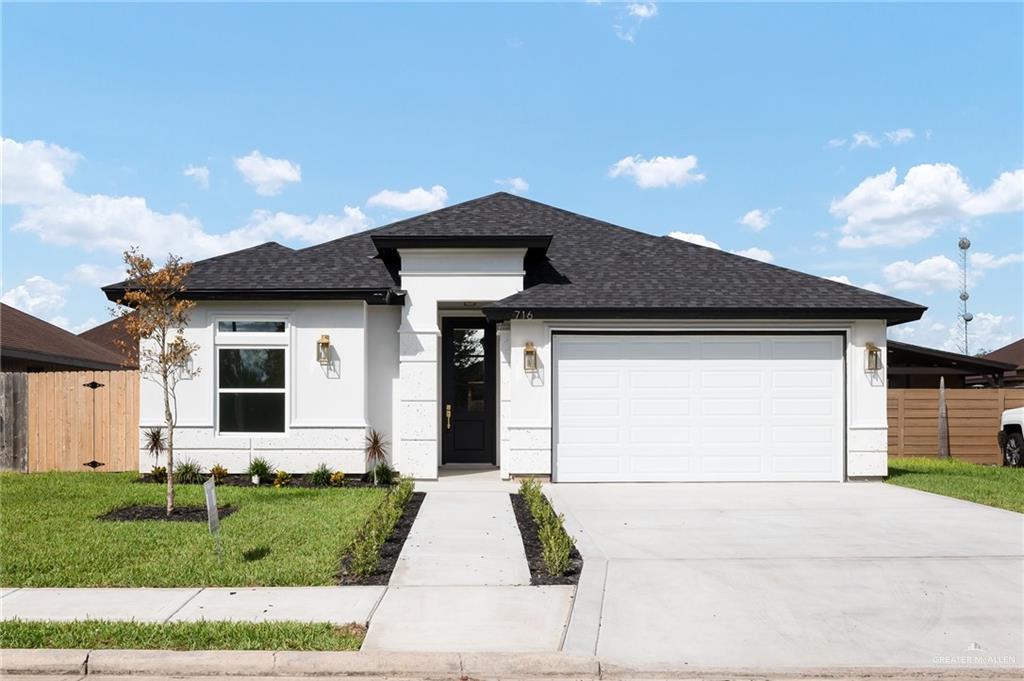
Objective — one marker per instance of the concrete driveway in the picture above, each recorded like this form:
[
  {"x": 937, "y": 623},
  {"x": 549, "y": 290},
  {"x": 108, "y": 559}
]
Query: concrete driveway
[{"x": 793, "y": 575}]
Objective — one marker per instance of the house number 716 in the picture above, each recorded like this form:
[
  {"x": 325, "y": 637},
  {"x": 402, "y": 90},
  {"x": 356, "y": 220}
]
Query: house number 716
[{"x": 522, "y": 314}]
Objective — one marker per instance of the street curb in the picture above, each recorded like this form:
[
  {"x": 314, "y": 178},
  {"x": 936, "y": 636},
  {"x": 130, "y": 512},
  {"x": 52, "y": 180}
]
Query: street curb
[{"x": 154, "y": 664}]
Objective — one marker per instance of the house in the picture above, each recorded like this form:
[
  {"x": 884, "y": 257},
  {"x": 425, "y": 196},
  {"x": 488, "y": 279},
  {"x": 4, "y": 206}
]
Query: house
[
  {"x": 1012, "y": 354},
  {"x": 505, "y": 332},
  {"x": 114, "y": 336},
  {"x": 915, "y": 366},
  {"x": 29, "y": 344}
]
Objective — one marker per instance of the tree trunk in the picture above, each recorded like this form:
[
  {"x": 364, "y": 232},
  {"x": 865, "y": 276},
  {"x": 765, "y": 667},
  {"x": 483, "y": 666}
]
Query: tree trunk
[{"x": 169, "y": 421}]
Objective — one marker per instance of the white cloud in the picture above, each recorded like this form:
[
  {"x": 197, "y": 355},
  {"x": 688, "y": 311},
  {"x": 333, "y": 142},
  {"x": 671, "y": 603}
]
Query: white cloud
[
  {"x": 882, "y": 212},
  {"x": 986, "y": 331},
  {"x": 39, "y": 297},
  {"x": 414, "y": 200},
  {"x": 265, "y": 174},
  {"x": 642, "y": 10},
  {"x": 899, "y": 136},
  {"x": 863, "y": 139},
  {"x": 757, "y": 254},
  {"x": 636, "y": 13},
  {"x": 758, "y": 218},
  {"x": 836, "y": 143},
  {"x": 201, "y": 174},
  {"x": 987, "y": 261},
  {"x": 81, "y": 326},
  {"x": 516, "y": 185},
  {"x": 660, "y": 171},
  {"x": 929, "y": 275},
  {"x": 34, "y": 172},
  {"x": 94, "y": 276},
  {"x": 698, "y": 239},
  {"x": 60, "y": 216}
]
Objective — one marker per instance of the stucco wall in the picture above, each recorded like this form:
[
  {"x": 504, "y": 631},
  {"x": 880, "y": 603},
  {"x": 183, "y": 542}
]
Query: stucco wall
[{"x": 327, "y": 407}]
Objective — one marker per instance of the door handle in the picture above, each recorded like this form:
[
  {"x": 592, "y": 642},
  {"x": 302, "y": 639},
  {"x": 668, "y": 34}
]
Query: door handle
[{"x": 448, "y": 415}]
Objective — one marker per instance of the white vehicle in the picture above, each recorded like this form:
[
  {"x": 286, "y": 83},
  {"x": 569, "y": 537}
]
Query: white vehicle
[{"x": 1011, "y": 437}]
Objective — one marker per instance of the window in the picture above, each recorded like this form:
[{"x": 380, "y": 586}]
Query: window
[
  {"x": 250, "y": 327},
  {"x": 251, "y": 390}
]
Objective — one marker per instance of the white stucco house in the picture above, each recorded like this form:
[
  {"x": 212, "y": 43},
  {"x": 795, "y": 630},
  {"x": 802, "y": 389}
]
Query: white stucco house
[{"x": 505, "y": 332}]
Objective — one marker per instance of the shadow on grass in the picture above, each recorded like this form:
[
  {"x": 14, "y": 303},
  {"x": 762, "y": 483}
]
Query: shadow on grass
[{"x": 254, "y": 554}]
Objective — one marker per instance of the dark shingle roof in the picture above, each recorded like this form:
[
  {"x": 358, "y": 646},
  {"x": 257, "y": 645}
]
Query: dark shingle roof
[
  {"x": 114, "y": 337},
  {"x": 591, "y": 268},
  {"x": 26, "y": 337}
]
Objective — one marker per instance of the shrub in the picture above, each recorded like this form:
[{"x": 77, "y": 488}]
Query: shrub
[
  {"x": 376, "y": 452},
  {"x": 556, "y": 544},
  {"x": 188, "y": 472},
  {"x": 261, "y": 467},
  {"x": 337, "y": 478},
  {"x": 281, "y": 478},
  {"x": 383, "y": 474},
  {"x": 364, "y": 554},
  {"x": 155, "y": 442},
  {"x": 158, "y": 474},
  {"x": 321, "y": 476},
  {"x": 219, "y": 473}
]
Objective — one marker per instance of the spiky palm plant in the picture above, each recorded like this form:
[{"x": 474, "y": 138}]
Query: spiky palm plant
[
  {"x": 155, "y": 442},
  {"x": 376, "y": 451}
]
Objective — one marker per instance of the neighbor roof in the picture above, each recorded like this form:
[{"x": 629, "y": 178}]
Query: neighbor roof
[
  {"x": 590, "y": 268},
  {"x": 114, "y": 337},
  {"x": 903, "y": 355},
  {"x": 23, "y": 336},
  {"x": 1012, "y": 353}
]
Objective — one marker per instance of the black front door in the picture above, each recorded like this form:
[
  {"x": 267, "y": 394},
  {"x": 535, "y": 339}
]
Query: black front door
[{"x": 467, "y": 390}]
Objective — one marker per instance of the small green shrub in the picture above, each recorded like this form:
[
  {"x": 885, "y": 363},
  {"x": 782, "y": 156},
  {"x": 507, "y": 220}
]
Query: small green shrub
[
  {"x": 188, "y": 472},
  {"x": 337, "y": 479},
  {"x": 261, "y": 467},
  {"x": 364, "y": 554},
  {"x": 158, "y": 474},
  {"x": 281, "y": 478},
  {"x": 321, "y": 476},
  {"x": 218, "y": 473},
  {"x": 556, "y": 544},
  {"x": 383, "y": 474}
]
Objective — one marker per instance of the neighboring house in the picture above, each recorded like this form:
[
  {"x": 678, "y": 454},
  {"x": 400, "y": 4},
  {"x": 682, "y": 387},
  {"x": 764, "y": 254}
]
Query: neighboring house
[
  {"x": 914, "y": 366},
  {"x": 1012, "y": 354},
  {"x": 30, "y": 344},
  {"x": 113, "y": 336},
  {"x": 505, "y": 332}
]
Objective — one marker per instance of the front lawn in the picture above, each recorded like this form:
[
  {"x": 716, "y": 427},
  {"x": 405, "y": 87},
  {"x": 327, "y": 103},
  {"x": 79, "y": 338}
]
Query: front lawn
[
  {"x": 991, "y": 485},
  {"x": 93, "y": 634},
  {"x": 277, "y": 537}
]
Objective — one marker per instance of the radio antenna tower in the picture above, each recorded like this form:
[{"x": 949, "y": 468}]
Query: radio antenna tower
[{"x": 965, "y": 317}]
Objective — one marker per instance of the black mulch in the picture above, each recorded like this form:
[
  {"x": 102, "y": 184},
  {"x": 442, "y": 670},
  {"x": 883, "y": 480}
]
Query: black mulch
[
  {"x": 189, "y": 514},
  {"x": 531, "y": 543},
  {"x": 389, "y": 551},
  {"x": 297, "y": 480}
]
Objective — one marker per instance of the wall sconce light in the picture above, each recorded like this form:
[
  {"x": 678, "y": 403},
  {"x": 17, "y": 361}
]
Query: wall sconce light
[
  {"x": 323, "y": 349},
  {"x": 874, "y": 357},
  {"x": 529, "y": 357}
]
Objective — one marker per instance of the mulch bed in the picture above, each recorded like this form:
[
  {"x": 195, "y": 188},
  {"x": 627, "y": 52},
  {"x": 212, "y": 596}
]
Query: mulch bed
[
  {"x": 297, "y": 480},
  {"x": 531, "y": 544},
  {"x": 188, "y": 514},
  {"x": 389, "y": 551}
]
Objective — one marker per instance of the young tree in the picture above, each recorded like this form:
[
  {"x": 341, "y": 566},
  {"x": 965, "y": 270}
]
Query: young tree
[{"x": 154, "y": 315}]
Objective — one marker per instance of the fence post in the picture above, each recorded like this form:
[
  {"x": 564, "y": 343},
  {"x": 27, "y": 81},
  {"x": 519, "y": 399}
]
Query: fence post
[{"x": 943, "y": 421}]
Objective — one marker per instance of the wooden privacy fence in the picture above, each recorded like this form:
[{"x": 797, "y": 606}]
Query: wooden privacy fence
[
  {"x": 59, "y": 421},
  {"x": 973, "y": 422}
]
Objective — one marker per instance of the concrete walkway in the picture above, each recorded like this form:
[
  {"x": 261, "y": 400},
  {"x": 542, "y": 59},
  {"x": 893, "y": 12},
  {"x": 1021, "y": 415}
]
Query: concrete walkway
[{"x": 462, "y": 581}]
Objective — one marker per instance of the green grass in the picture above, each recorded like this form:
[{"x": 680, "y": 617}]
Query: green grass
[
  {"x": 990, "y": 485},
  {"x": 92, "y": 634},
  {"x": 278, "y": 537}
]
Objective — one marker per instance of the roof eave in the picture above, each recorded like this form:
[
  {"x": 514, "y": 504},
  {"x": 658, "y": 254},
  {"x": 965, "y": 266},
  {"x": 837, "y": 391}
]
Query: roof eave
[
  {"x": 892, "y": 316},
  {"x": 375, "y": 296},
  {"x": 35, "y": 356}
]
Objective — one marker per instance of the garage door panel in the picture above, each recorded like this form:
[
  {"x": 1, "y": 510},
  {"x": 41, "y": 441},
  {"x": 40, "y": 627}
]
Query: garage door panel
[{"x": 639, "y": 408}]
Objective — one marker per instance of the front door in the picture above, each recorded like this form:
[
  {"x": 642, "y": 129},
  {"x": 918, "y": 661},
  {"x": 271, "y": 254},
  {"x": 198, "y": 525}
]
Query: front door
[{"x": 467, "y": 390}]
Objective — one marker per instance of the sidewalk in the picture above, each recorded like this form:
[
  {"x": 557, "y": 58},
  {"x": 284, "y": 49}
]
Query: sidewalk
[{"x": 462, "y": 582}]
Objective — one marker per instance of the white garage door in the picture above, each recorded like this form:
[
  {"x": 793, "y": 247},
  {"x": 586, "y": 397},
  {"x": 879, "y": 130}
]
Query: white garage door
[{"x": 709, "y": 408}]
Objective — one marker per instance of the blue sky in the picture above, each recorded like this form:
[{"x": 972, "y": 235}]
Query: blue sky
[{"x": 866, "y": 137}]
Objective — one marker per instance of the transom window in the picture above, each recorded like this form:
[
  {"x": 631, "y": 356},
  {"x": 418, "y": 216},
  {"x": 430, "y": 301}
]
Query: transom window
[
  {"x": 243, "y": 326},
  {"x": 251, "y": 389}
]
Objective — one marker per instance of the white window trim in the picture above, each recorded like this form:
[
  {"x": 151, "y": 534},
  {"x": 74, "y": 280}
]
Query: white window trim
[{"x": 283, "y": 346}]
